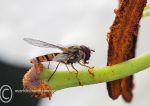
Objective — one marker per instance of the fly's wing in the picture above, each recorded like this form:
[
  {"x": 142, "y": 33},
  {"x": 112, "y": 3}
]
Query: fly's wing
[
  {"x": 41, "y": 43},
  {"x": 62, "y": 57}
]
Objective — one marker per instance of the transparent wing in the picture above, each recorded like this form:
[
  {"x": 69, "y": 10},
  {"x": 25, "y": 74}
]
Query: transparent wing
[
  {"x": 61, "y": 57},
  {"x": 41, "y": 43}
]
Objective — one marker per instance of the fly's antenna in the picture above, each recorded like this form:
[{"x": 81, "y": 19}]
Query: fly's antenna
[{"x": 92, "y": 50}]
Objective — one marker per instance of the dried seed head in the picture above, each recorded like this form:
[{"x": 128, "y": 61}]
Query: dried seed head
[{"x": 34, "y": 85}]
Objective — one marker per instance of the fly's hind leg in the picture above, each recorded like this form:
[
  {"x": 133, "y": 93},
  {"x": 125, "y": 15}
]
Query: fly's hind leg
[
  {"x": 76, "y": 73},
  {"x": 53, "y": 72}
]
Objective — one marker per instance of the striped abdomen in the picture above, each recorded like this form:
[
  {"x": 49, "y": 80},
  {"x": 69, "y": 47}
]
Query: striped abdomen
[{"x": 44, "y": 58}]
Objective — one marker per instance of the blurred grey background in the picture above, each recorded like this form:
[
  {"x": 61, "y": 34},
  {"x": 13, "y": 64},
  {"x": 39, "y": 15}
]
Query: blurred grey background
[{"x": 64, "y": 22}]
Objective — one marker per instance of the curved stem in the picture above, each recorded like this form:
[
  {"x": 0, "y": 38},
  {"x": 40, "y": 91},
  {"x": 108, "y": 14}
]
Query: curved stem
[{"x": 65, "y": 79}]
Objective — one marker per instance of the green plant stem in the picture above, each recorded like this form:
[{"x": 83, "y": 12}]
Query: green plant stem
[
  {"x": 146, "y": 14},
  {"x": 147, "y": 7},
  {"x": 65, "y": 79}
]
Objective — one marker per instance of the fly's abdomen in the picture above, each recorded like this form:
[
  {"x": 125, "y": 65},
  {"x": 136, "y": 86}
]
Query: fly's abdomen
[{"x": 44, "y": 58}]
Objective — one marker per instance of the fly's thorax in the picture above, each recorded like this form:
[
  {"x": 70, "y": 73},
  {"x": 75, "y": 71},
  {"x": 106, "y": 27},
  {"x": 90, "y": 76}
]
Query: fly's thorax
[
  {"x": 71, "y": 59},
  {"x": 79, "y": 53},
  {"x": 75, "y": 56},
  {"x": 74, "y": 49}
]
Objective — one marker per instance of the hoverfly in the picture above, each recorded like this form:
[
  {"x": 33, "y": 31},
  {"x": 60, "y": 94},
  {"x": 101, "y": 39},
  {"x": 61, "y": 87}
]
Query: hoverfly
[{"x": 69, "y": 55}]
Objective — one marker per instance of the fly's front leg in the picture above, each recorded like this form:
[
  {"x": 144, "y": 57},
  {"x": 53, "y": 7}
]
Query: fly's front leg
[
  {"x": 76, "y": 73},
  {"x": 90, "y": 69},
  {"x": 84, "y": 65}
]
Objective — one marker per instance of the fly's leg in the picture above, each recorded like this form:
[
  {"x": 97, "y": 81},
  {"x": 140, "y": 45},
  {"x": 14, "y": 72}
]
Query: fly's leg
[
  {"x": 90, "y": 69},
  {"x": 74, "y": 68},
  {"x": 76, "y": 74},
  {"x": 53, "y": 72},
  {"x": 84, "y": 65},
  {"x": 67, "y": 67},
  {"x": 48, "y": 64}
]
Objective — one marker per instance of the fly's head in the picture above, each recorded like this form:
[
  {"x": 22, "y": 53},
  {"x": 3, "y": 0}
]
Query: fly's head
[{"x": 87, "y": 53}]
